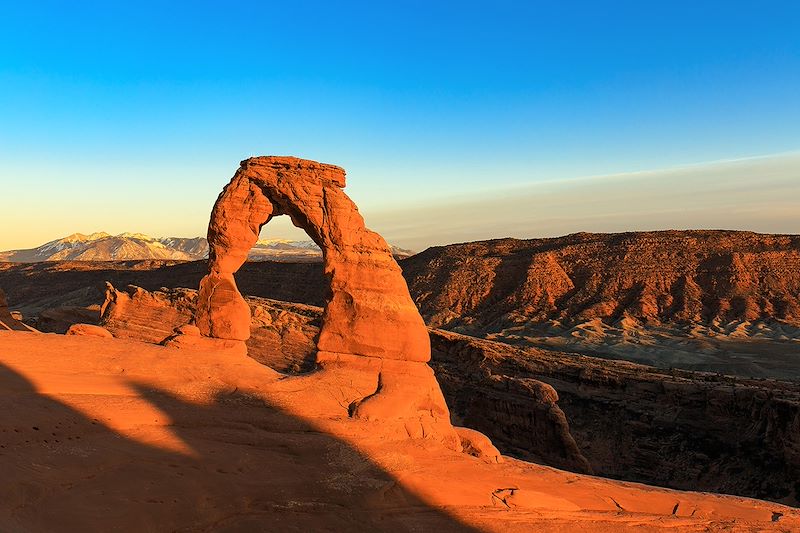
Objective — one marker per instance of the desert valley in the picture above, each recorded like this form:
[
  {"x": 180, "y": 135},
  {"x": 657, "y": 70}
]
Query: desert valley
[{"x": 569, "y": 368}]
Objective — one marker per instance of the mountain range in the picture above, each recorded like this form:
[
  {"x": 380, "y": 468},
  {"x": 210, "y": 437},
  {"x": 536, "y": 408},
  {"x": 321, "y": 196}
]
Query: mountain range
[{"x": 103, "y": 246}]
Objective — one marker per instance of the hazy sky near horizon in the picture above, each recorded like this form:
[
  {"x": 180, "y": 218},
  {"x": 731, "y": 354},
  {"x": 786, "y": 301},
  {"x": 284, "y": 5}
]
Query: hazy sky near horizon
[{"x": 455, "y": 121}]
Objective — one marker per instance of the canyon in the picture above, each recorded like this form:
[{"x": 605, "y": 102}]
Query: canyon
[
  {"x": 734, "y": 414},
  {"x": 528, "y": 353}
]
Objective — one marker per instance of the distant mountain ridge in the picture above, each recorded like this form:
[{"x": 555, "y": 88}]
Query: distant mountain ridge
[
  {"x": 102, "y": 246},
  {"x": 706, "y": 277}
]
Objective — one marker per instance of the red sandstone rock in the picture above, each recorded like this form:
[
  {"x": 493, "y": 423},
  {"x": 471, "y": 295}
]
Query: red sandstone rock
[
  {"x": 477, "y": 444},
  {"x": 149, "y": 316},
  {"x": 193, "y": 342},
  {"x": 188, "y": 329},
  {"x": 370, "y": 322},
  {"x": 368, "y": 312},
  {"x": 89, "y": 330},
  {"x": 697, "y": 276},
  {"x": 10, "y": 320}
]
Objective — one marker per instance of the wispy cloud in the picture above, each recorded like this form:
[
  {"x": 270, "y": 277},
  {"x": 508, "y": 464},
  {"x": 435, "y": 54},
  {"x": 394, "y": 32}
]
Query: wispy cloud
[{"x": 759, "y": 194}]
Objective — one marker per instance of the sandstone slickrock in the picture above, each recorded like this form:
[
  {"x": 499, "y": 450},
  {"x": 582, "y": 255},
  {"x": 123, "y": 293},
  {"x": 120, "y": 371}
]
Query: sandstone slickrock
[
  {"x": 477, "y": 444},
  {"x": 115, "y": 434},
  {"x": 594, "y": 394},
  {"x": 742, "y": 441},
  {"x": 144, "y": 315},
  {"x": 281, "y": 333},
  {"x": 369, "y": 323}
]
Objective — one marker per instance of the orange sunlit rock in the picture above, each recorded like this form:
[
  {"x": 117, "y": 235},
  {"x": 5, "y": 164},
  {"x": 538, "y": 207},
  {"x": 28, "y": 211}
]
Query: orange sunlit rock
[{"x": 370, "y": 321}]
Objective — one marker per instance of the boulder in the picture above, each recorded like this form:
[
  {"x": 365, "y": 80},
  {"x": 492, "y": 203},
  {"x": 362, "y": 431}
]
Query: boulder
[
  {"x": 89, "y": 330},
  {"x": 477, "y": 444}
]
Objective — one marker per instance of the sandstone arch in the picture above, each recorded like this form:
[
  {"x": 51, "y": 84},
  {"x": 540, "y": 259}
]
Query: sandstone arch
[
  {"x": 369, "y": 311},
  {"x": 370, "y": 321}
]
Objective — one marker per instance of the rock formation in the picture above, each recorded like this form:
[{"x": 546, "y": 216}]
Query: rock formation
[
  {"x": 370, "y": 322},
  {"x": 89, "y": 330},
  {"x": 113, "y": 434},
  {"x": 281, "y": 333},
  {"x": 672, "y": 428},
  {"x": 714, "y": 433},
  {"x": 699, "y": 277},
  {"x": 522, "y": 414},
  {"x": 8, "y": 322}
]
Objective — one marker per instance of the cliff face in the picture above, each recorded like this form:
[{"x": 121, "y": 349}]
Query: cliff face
[
  {"x": 520, "y": 413},
  {"x": 673, "y": 428},
  {"x": 281, "y": 333},
  {"x": 700, "y": 277}
]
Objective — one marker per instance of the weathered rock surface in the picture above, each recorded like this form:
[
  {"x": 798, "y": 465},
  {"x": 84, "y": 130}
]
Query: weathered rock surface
[
  {"x": 368, "y": 310},
  {"x": 667, "y": 427},
  {"x": 699, "y": 277},
  {"x": 89, "y": 330},
  {"x": 672, "y": 428},
  {"x": 281, "y": 333},
  {"x": 519, "y": 292},
  {"x": 518, "y": 412},
  {"x": 738, "y": 446},
  {"x": 522, "y": 415},
  {"x": 9, "y": 322},
  {"x": 139, "y": 314},
  {"x": 369, "y": 320},
  {"x": 119, "y": 435},
  {"x": 477, "y": 444}
]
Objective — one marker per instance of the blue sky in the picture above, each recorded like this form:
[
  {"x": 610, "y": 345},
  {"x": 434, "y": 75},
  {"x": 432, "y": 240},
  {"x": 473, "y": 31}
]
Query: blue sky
[{"x": 131, "y": 117}]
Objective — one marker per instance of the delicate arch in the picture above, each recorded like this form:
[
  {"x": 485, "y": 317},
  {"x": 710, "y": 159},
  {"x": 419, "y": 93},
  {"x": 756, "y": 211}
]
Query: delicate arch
[{"x": 368, "y": 311}]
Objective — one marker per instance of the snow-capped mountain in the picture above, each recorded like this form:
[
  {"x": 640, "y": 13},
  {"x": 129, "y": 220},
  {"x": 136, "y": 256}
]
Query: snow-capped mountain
[
  {"x": 133, "y": 246},
  {"x": 98, "y": 247}
]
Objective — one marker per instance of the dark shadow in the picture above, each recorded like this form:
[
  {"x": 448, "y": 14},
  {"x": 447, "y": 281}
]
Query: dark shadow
[
  {"x": 76, "y": 285},
  {"x": 255, "y": 468}
]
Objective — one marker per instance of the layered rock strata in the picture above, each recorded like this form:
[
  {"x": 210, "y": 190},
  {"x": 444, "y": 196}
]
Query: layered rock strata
[
  {"x": 522, "y": 415},
  {"x": 679, "y": 429},
  {"x": 9, "y": 322},
  {"x": 369, "y": 323}
]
